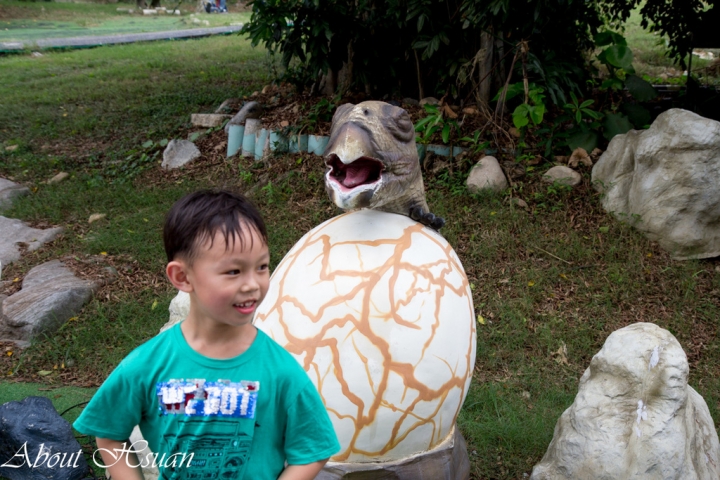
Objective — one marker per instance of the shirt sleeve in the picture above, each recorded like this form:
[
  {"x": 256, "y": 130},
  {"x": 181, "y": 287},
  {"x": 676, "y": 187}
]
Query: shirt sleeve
[
  {"x": 115, "y": 408},
  {"x": 309, "y": 434}
]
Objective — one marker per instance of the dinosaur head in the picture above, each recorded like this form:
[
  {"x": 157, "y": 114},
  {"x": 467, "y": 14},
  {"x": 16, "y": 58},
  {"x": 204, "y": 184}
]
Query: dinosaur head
[{"x": 371, "y": 159}]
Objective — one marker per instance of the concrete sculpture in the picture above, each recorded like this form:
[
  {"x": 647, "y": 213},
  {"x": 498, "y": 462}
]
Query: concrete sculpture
[
  {"x": 635, "y": 416},
  {"x": 378, "y": 309},
  {"x": 663, "y": 181}
]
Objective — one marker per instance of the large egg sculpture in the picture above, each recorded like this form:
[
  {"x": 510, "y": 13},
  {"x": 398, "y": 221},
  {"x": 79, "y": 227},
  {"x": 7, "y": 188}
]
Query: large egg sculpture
[{"x": 378, "y": 310}]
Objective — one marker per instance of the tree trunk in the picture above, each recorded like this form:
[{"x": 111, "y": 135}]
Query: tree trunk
[{"x": 487, "y": 44}]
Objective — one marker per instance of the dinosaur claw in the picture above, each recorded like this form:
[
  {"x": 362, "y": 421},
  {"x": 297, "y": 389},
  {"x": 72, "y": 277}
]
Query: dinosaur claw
[
  {"x": 416, "y": 214},
  {"x": 426, "y": 218}
]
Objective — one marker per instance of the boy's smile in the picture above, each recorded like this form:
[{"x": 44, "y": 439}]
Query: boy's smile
[{"x": 228, "y": 282}]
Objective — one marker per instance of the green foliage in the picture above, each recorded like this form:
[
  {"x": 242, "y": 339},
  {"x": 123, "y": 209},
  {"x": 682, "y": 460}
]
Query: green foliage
[
  {"x": 533, "y": 110},
  {"x": 322, "y": 111},
  {"x": 435, "y": 121},
  {"x": 475, "y": 145},
  {"x": 674, "y": 19},
  {"x": 404, "y": 43}
]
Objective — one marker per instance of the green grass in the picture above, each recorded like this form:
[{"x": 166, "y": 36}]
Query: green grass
[
  {"x": 565, "y": 273},
  {"x": 29, "y": 21},
  {"x": 650, "y": 57},
  {"x": 65, "y": 399}
]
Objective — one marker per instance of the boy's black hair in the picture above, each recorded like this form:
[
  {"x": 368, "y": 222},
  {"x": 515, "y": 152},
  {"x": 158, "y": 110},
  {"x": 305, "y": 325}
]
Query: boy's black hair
[{"x": 198, "y": 216}]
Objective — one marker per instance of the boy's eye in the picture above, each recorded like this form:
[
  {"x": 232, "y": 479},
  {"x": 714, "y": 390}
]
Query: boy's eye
[
  {"x": 234, "y": 272},
  {"x": 264, "y": 266}
]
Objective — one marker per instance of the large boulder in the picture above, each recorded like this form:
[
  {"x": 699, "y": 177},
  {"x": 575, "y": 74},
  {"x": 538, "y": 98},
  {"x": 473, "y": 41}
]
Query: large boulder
[
  {"x": 664, "y": 182},
  {"x": 14, "y": 232},
  {"x": 635, "y": 416},
  {"x": 37, "y": 443},
  {"x": 51, "y": 294}
]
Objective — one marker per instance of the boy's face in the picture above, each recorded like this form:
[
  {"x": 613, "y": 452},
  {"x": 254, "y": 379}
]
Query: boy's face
[{"x": 229, "y": 282}]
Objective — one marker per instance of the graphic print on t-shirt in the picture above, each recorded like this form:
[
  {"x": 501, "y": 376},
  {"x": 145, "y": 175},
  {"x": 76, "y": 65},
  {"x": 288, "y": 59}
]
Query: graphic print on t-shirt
[
  {"x": 216, "y": 425},
  {"x": 220, "y": 452},
  {"x": 198, "y": 397}
]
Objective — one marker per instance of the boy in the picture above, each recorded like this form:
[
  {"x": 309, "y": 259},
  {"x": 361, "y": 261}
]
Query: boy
[{"x": 214, "y": 397}]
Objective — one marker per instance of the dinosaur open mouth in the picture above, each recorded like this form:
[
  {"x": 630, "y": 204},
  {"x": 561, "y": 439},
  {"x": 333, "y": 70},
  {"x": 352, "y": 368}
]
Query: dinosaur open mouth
[{"x": 363, "y": 171}]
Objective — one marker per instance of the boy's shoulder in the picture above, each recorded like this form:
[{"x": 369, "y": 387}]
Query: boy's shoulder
[
  {"x": 150, "y": 349},
  {"x": 274, "y": 353}
]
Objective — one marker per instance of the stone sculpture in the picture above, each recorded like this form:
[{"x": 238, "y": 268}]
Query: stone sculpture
[
  {"x": 635, "y": 416},
  {"x": 664, "y": 182}
]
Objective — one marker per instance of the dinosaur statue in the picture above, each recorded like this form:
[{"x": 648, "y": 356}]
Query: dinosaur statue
[{"x": 372, "y": 162}]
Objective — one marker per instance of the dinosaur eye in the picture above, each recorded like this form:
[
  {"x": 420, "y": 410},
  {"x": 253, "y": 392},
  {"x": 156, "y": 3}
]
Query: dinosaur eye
[{"x": 398, "y": 122}]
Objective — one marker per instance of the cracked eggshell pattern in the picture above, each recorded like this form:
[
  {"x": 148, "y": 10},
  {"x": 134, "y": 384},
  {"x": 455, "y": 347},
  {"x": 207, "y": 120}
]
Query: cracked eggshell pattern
[{"x": 378, "y": 310}]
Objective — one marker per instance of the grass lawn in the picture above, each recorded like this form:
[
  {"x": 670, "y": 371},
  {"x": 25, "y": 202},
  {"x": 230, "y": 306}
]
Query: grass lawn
[
  {"x": 563, "y": 273},
  {"x": 29, "y": 21}
]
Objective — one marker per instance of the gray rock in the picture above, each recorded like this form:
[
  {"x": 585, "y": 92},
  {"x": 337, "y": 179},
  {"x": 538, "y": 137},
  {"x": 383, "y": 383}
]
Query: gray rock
[
  {"x": 249, "y": 110},
  {"x": 634, "y": 416},
  {"x": 429, "y": 101},
  {"x": 9, "y": 191},
  {"x": 33, "y": 426},
  {"x": 664, "y": 181},
  {"x": 50, "y": 295},
  {"x": 14, "y": 231},
  {"x": 562, "y": 175},
  {"x": 208, "y": 119},
  {"x": 487, "y": 175},
  {"x": 179, "y": 153}
]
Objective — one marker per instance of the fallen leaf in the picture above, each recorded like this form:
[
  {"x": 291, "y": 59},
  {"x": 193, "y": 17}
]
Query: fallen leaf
[
  {"x": 44, "y": 373},
  {"x": 480, "y": 320},
  {"x": 9, "y": 354},
  {"x": 531, "y": 283},
  {"x": 15, "y": 280},
  {"x": 11, "y": 148},
  {"x": 103, "y": 253},
  {"x": 95, "y": 217},
  {"x": 580, "y": 155},
  {"x": 449, "y": 112},
  {"x": 562, "y": 275},
  {"x": 561, "y": 354},
  {"x": 72, "y": 319},
  {"x": 154, "y": 305}
]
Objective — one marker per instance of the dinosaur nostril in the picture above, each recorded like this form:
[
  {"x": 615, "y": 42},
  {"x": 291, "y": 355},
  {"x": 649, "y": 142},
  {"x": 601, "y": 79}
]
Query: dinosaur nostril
[{"x": 366, "y": 112}]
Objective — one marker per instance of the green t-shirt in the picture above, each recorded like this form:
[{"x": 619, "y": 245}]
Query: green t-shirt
[{"x": 236, "y": 418}]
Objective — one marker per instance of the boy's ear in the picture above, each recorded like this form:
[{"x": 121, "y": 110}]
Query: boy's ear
[{"x": 177, "y": 273}]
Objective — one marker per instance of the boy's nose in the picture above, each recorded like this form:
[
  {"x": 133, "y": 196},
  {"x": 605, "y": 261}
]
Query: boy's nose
[{"x": 250, "y": 284}]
